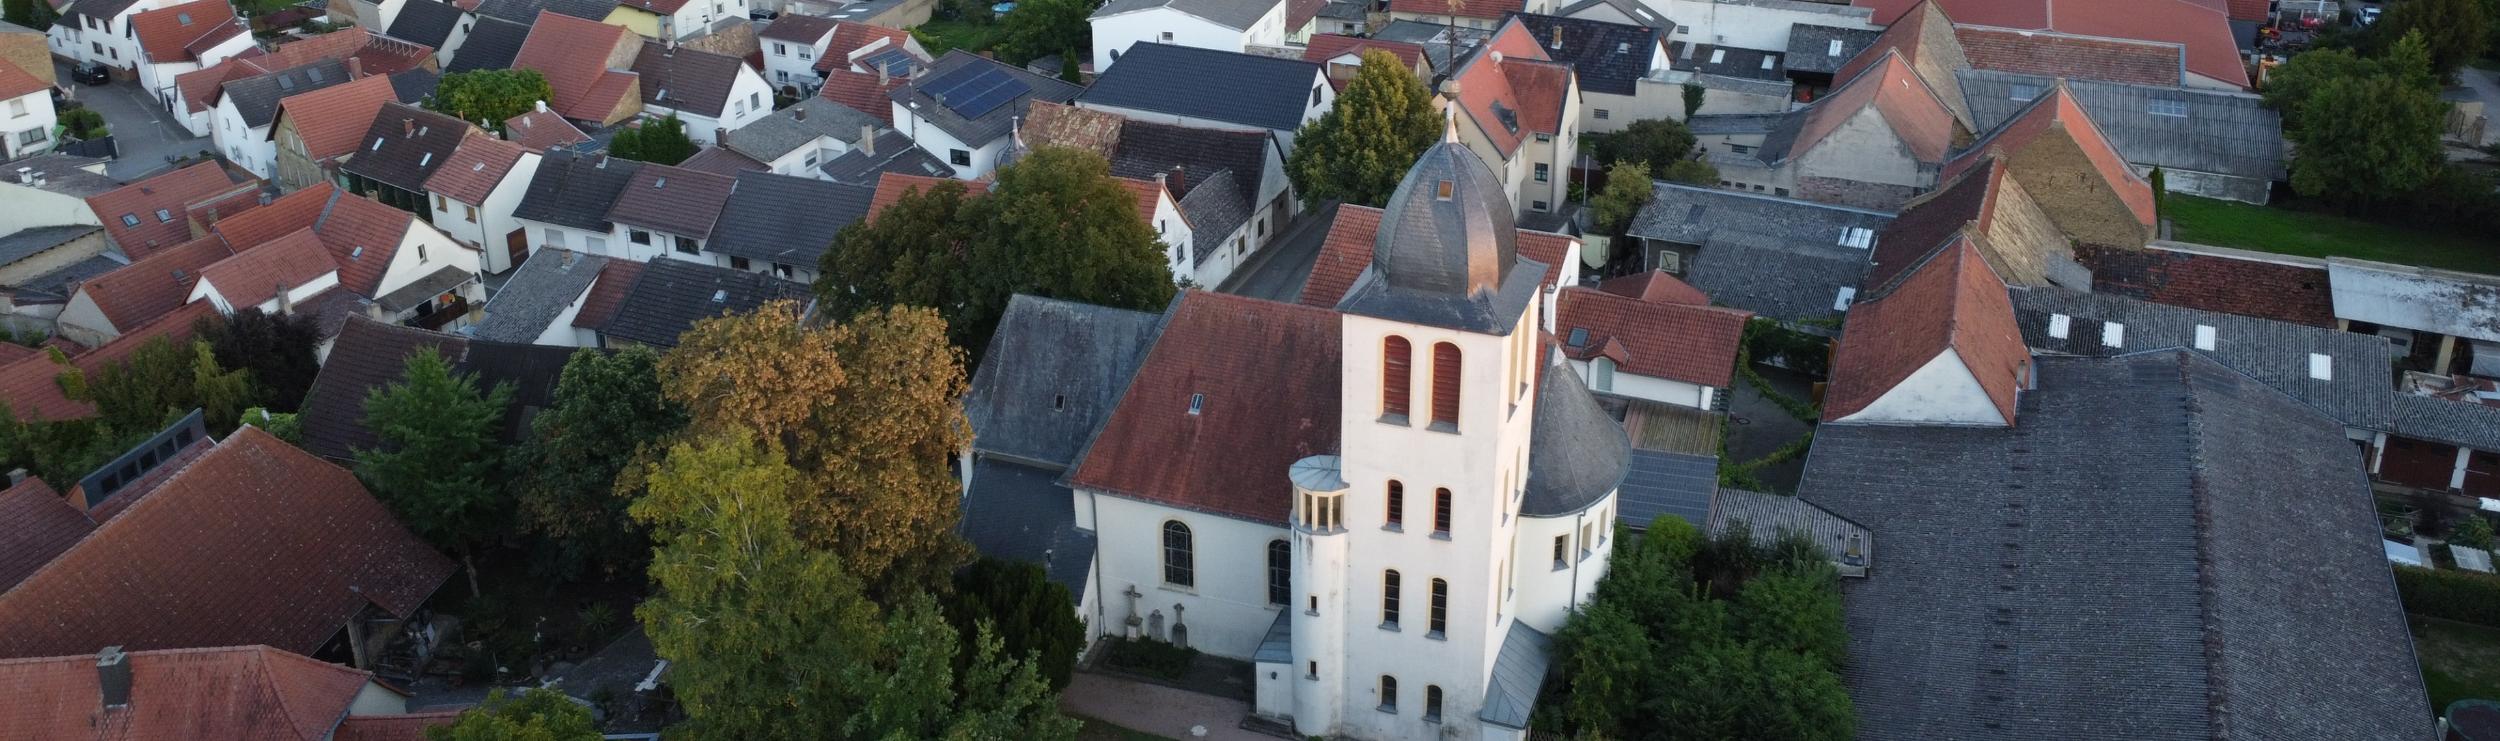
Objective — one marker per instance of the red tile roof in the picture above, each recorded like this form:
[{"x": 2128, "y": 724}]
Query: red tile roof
[
  {"x": 258, "y": 274},
  {"x": 175, "y": 33},
  {"x": 862, "y": 91},
  {"x": 1917, "y": 115},
  {"x": 573, "y": 55},
  {"x": 1662, "y": 338},
  {"x": 1654, "y": 286},
  {"x": 2204, "y": 29},
  {"x": 1327, "y": 46},
  {"x": 242, "y": 692},
  {"x": 2250, "y": 10},
  {"x": 616, "y": 279},
  {"x": 375, "y": 54},
  {"x": 892, "y": 186},
  {"x": 1263, "y": 377},
  {"x": 256, "y": 542},
  {"x": 1924, "y": 39},
  {"x": 145, "y": 289},
  {"x": 362, "y": 235},
  {"x": 408, "y": 727},
  {"x": 1149, "y": 195},
  {"x": 41, "y": 526},
  {"x": 474, "y": 169},
  {"x": 331, "y": 119},
  {"x": 287, "y": 213},
  {"x": 2280, "y": 291},
  {"x": 31, "y": 387},
  {"x": 161, "y": 205},
  {"x": 16, "y": 82},
  {"x": 1490, "y": 9},
  {"x": 804, "y": 29},
  {"x": 1539, "y": 87},
  {"x": 2064, "y": 55},
  {"x": 1485, "y": 84},
  {"x": 2056, "y": 115},
  {"x": 539, "y": 131},
  {"x": 850, "y": 37},
  {"x": 1952, "y": 303},
  {"x": 1348, "y": 250}
]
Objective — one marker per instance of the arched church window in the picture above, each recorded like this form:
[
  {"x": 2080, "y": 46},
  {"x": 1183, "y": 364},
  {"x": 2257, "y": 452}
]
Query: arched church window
[
  {"x": 1397, "y": 369},
  {"x": 1179, "y": 564},
  {"x": 1279, "y": 572},
  {"x": 1445, "y": 374},
  {"x": 1389, "y": 599}
]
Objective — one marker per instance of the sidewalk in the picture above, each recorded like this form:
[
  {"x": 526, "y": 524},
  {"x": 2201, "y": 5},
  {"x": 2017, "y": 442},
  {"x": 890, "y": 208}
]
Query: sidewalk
[{"x": 1156, "y": 709}]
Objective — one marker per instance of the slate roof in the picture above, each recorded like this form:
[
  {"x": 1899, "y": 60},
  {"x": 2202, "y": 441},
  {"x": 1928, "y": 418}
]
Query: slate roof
[
  {"x": 893, "y": 152},
  {"x": 234, "y": 692},
  {"x": 1810, "y": 47},
  {"x": 1449, "y": 262},
  {"x": 1663, "y": 483},
  {"x": 2257, "y": 285},
  {"x": 686, "y": 79},
  {"x": 1576, "y": 453},
  {"x": 256, "y": 97},
  {"x": 1730, "y": 61},
  {"x": 1347, "y": 253},
  {"x": 1609, "y": 57},
  {"x": 1777, "y": 257},
  {"x": 1519, "y": 672},
  {"x": 788, "y": 129},
  {"x": 1772, "y": 516},
  {"x": 671, "y": 295},
  {"x": 2074, "y": 57},
  {"x": 1022, "y": 513},
  {"x": 672, "y": 200},
  {"x": 1247, "y": 364},
  {"x": 65, "y": 174},
  {"x": 786, "y": 220},
  {"x": 405, "y": 145},
  {"x": 1435, "y": 38},
  {"x": 474, "y": 169},
  {"x": 1678, "y": 340},
  {"x": 2274, "y": 353},
  {"x": 1950, "y": 303},
  {"x": 865, "y": 92},
  {"x": 2224, "y": 133},
  {"x": 550, "y": 281},
  {"x": 2466, "y": 305},
  {"x": 330, "y": 119},
  {"x": 413, "y": 86},
  {"x": 573, "y": 55},
  {"x": 492, "y": 43},
  {"x": 542, "y": 130},
  {"x": 426, "y": 22},
  {"x": 988, "y": 126},
  {"x": 804, "y": 29},
  {"x": 1982, "y": 621},
  {"x": 41, "y": 526},
  {"x": 32, "y": 241},
  {"x": 255, "y": 542},
  {"x": 1051, "y": 376},
  {"x": 1261, "y": 91},
  {"x": 576, "y": 190},
  {"x": 1236, "y": 15},
  {"x": 2444, "y": 421}
]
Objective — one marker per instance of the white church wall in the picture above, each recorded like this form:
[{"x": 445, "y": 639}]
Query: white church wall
[
  {"x": 1227, "y": 611},
  {"x": 1549, "y": 588}
]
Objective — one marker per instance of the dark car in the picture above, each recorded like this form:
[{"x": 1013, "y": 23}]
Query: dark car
[{"x": 91, "y": 74}]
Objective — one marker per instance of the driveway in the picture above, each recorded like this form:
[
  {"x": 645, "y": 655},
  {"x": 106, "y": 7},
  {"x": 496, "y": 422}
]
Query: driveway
[
  {"x": 1278, "y": 271},
  {"x": 145, "y": 134}
]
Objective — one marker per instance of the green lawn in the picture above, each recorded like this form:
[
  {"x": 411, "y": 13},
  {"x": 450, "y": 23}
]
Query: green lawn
[
  {"x": 2459, "y": 661},
  {"x": 2286, "y": 231},
  {"x": 939, "y": 36}
]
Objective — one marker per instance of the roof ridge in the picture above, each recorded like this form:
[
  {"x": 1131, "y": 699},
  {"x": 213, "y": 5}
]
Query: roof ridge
[{"x": 2200, "y": 495}]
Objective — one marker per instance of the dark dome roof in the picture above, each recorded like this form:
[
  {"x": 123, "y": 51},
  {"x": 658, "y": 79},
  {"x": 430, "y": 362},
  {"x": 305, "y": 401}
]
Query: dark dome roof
[
  {"x": 1459, "y": 245},
  {"x": 1577, "y": 454}
]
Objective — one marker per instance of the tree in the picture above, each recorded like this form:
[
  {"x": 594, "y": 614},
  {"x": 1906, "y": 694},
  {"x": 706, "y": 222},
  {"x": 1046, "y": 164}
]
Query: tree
[
  {"x": 608, "y": 412},
  {"x": 1056, "y": 225},
  {"x": 439, "y": 465},
  {"x": 1040, "y": 28},
  {"x": 489, "y": 97},
  {"x": 2366, "y": 138},
  {"x": 36, "y": 14},
  {"x": 2292, "y": 87},
  {"x": 281, "y": 425},
  {"x": 1691, "y": 172},
  {"x": 538, "y": 714},
  {"x": 1694, "y": 94},
  {"x": 276, "y": 348},
  {"x": 1627, "y": 189},
  {"x": 1030, "y": 614},
  {"x": 771, "y": 639},
  {"x": 220, "y": 393},
  {"x": 1651, "y": 140},
  {"x": 868, "y": 412},
  {"x": 660, "y": 141},
  {"x": 2454, "y": 31},
  {"x": 1360, "y": 149},
  {"x": 912, "y": 253}
]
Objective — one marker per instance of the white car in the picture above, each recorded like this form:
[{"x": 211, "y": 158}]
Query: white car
[{"x": 2369, "y": 15}]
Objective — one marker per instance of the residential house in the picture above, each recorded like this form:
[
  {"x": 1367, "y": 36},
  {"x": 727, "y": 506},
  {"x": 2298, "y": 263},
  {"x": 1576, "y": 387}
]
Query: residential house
[
  {"x": 51, "y": 190},
  {"x": 1876, "y": 141},
  {"x": 1621, "y": 68},
  {"x": 965, "y": 108},
  {"x": 1444, "y": 46},
  {"x": 2211, "y": 50},
  {"x": 542, "y": 301},
  {"x": 712, "y": 93},
  {"x": 2077, "y": 57},
  {"x": 2071, "y": 170},
  {"x": 589, "y": 65},
  {"x": 365, "y": 52},
  {"x": 401, "y": 269},
  {"x": 2443, "y": 322},
  {"x": 403, "y": 146},
  {"x": 108, "y": 306},
  {"x": 172, "y": 207},
  {"x": 1237, "y": 27},
  {"x": 1745, "y": 24},
  {"x": 861, "y": 47},
  {"x": 568, "y": 201},
  {"x": 721, "y": 161},
  {"x": 273, "y": 277},
  {"x": 1520, "y": 111},
  {"x": 867, "y": 92},
  {"x": 1168, "y": 84},
  {"x": 29, "y": 51},
  {"x": 542, "y": 129},
  {"x": 225, "y": 692},
  {"x": 244, "y": 108},
  {"x": 792, "y": 43},
  {"x": 2210, "y": 143},
  {"x": 669, "y": 296},
  {"x": 668, "y": 211},
  {"x": 436, "y": 24},
  {"x": 782, "y": 225},
  {"x": 492, "y": 43},
  {"x": 1940, "y": 347},
  {"x": 676, "y": 20},
  {"x": 1649, "y": 336},
  {"x": 239, "y": 542},
  {"x": 184, "y": 37},
  {"x": 315, "y": 130},
  {"x": 475, "y": 193},
  {"x": 2442, "y": 437},
  {"x": 98, "y": 32},
  {"x": 1157, "y": 206},
  {"x": 371, "y": 15},
  {"x": 800, "y": 139},
  {"x": 1339, "y": 56},
  {"x": 371, "y": 355},
  {"x": 1817, "y": 52},
  {"x": 1229, "y": 186},
  {"x": 1343, "y": 18},
  {"x": 1479, "y": 14},
  {"x": 889, "y": 151},
  {"x": 1796, "y": 262},
  {"x": 26, "y": 116}
]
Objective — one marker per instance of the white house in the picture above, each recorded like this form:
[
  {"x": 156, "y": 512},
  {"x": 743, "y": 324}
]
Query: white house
[
  {"x": 474, "y": 194},
  {"x": 1749, "y": 24},
  {"x": 273, "y": 277},
  {"x": 1156, "y": 205},
  {"x": 246, "y": 108},
  {"x": 26, "y": 115},
  {"x": 710, "y": 92},
  {"x": 964, "y": 109},
  {"x": 51, "y": 190},
  {"x": 799, "y": 139},
  {"x": 98, "y": 32},
  {"x": 791, "y": 46},
  {"x": 1204, "y": 24},
  {"x": 1650, "y": 336},
  {"x": 184, "y": 37},
  {"x": 677, "y": 20}
]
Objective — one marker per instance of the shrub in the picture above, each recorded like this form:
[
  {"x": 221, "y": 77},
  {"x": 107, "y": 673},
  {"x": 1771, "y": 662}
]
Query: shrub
[
  {"x": 1149, "y": 656},
  {"x": 2463, "y": 596}
]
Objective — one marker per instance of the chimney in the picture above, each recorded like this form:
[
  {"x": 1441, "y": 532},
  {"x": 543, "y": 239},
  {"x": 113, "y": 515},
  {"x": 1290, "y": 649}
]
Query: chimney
[
  {"x": 407, "y": 128},
  {"x": 112, "y": 669},
  {"x": 883, "y": 75},
  {"x": 671, "y": 49},
  {"x": 868, "y": 139},
  {"x": 1163, "y": 180},
  {"x": 355, "y": 68},
  {"x": 1179, "y": 178},
  {"x": 540, "y": 106},
  {"x": 17, "y": 476},
  {"x": 1557, "y": 38},
  {"x": 286, "y": 304},
  {"x": 602, "y": 164},
  {"x": 720, "y": 135},
  {"x": 798, "y": 112}
]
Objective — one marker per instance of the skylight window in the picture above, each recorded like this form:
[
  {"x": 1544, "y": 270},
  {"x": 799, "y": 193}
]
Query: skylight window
[
  {"x": 2022, "y": 91},
  {"x": 2113, "y": 334},
  {"x": 356, "y": 254},
  {"x": 2321, "y": 367},
  {"x": 2172, "y": 108},
  {"x": 1770, "y": 59},
  {"x": 1579, "y": 336},
  {"x": 130, "y": 219},
  {"x": 1857, "y": 237},
  {"x": 2205, "y": 337},
  {"x": 2060, "y": 325},
  {"x": 1718, "y": 56},
  {"x": 377, "y": 144},
  {"x": 428, "y": 158},
  {"x": 1443, "y": 192},
  {"x": 1847, "y": 294},
  {"x": 1197, "y": 402},
  {"x": 720, "y": 296},
  {"x": 164, "y": 216},
  {"x": 1834, "y": 50}
]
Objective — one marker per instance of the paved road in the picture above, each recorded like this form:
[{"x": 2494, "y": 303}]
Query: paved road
[
  {"x": 1278, "y": 271},
  {"x": 142, "y": 130}
]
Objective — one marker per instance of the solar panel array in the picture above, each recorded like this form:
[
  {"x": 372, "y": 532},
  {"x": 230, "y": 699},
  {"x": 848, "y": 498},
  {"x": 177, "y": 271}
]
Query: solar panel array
[
  {"x": 893, "y": 61},
  {"x": 975, "y": 90}
]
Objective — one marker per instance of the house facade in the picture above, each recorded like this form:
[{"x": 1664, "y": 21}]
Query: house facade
[
  {"x": 710, "y": 92},
  {"x": 26, "y": 115},
  {"x": 1200, "y": 24},
  {"x": 474, "y": 194}
]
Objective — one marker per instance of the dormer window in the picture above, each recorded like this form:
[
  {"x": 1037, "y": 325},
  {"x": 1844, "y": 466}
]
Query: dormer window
[
  {"x": 2205, "y": 337},
  {"x": 1445, "y": 190}
]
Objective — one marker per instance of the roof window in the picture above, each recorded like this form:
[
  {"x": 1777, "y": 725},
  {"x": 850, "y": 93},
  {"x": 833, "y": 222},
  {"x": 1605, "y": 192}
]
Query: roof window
[
  {"x": 2113, "y": 334},
  {"x": 130, "y": 219},
  {"x": 720, "y": 296},
  {"x": 1857, "y": 237},
  {"x": 1579, "y": 336},
  {"x": 377, "y": 144},
  {"x": 659, "y": 182},
  {"x": 1444, "y": 190},
  {"x": 164, "y": 216},
  {"x": 2060, "y": 325},
  {"x": 1718, "y": 56},
  {"x": 1197, "y": 402},
  {"x": 2205, "y": 337},
  {"x": 1847, "y": 294},
  {"x": 425, "y": 160},
  {"x": 2021, "y": 91},
  {"x": 1770, "y": 59},
  {"x": 1833, "y": 50},
  {"x": 2172, "y": 108},
  {"x": 182, "y": 18},
  {"x": 2321, "y": 367},
  {"x": 356, "y": 254}
]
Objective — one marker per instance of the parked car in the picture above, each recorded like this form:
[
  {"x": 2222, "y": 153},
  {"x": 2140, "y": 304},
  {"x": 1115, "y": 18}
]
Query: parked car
[
  {"x": 2369, "y": 16},
  {"x": 91, "y": 74}
]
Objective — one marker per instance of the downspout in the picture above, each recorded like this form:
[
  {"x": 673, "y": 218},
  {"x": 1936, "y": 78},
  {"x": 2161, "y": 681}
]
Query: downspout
[{"x": 1094, "y": 507}]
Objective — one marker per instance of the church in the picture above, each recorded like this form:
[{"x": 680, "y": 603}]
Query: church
[{"x": 1385, "y": 497}]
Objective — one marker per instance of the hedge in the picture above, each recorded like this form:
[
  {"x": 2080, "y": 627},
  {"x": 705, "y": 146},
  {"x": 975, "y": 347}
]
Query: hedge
[{"x": 2463, "y": 596}]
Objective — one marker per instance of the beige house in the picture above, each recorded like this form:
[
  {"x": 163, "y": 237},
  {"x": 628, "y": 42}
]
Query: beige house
[{"x": 1519, "y": 111}]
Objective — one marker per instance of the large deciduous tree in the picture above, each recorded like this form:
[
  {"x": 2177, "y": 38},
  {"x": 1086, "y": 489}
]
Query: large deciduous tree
[
  {"x": 1030, "y": 614},
  {"x": 912, "y": 253},
  {"x": 1627, "y": 189},
  {"x": 661, "y": 141},
  {"x": 2455, "y": 32},
  {"x": 1040, "y": 28},
  {"x": 608, "y": 412},
  {"x": 439, "y": 466},
  {"x": 2365, "y": 130},
  {"x": 1359, "y": 150},
  {"x": 1657, "y": 141},
  {"x": 278, "y": 349},
  {"x": 488, "y": 97},
  {"x": 538, "y": 714}
]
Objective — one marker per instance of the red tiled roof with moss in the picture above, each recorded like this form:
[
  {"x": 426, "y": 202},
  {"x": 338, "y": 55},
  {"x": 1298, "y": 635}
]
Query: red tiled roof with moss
[
  {"x": 1660, "y": 337},
  {"x": 2066, "y": 55},
  {"x": 161, "y": 205},
  {"x": 1348, "y": 250},
  {"x": 240, "y": 692},
  {"x": 1952, "y": 303}
]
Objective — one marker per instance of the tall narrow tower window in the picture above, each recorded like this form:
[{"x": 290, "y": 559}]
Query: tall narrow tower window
[
  {"x": 1441, "y": 512},
  {"x": 1396, "y": 516},
  {"x": 1396, "y": 373},
  {"x": 1279, "y": 572},
  {"x": 1440, "y": 608},
  {"x": 1179, "y": 563},
  {"x": 1445, "y": 374},
  {"x": 1389, "y": 599},
  {"x": 1388, "y": 694}
]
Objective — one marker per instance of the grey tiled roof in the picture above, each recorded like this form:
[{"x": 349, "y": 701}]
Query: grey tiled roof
[
  {"x": 404, "y": 145},
  {"x": 1238, "y": 15},
  {"x": 686, "y": 79},
  {"x": 1810, "y": 46},
  {"x": 426, "y": 22},
  {"x": 1262, "y": 91},
  {"x": 526, "y": 11},
  {"x": 62, "y": 173},
  {"x": 1734, "y": 123},
  {"x": 1215, "y": 210},
  {"x": 2442, "y": 421},
  {"x": 576, "y": 190},
  {"x": 1518, "y": 676},
  {"x": 2276, "y": 353},
  {"x": 2160, "y": 548},
  {"x": 1732, "y": 61},
  {"x": 1021, "y": 513},
  {"x": 550, "y": 280},
  {"x": 418, "y": 291},
  {"x": 988, "y": 126},
  {"x": 893, "y": 152},
  {"x": 1076, "y": 357},
  {"x": 2225, "y": 133},
  {"x": 786, "y": 220},
  {"x": 673, "y": 294},
  {"x": 491, "y": 44},
  {"x": 1609, "y": 57},
  {"x": 57, "y": 285},
  {"x": 256, "y": 97},
  {"x": 1776, "y": 257},
  {"x": 1770, "y": 516},
  {"x": 414, "y": 85},
  {"x": 1436, "y": 40},
  {"x": 797, "y": 126},
  {"x": 1576, "y": 455},
  {"x": 1663, "y": 483},
  {"x": 30, "y": 241}
]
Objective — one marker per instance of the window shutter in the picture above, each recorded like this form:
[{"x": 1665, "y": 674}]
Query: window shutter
[
  {"x": 1396, "y": 370},
  {"x": 1445, "y": 372}
]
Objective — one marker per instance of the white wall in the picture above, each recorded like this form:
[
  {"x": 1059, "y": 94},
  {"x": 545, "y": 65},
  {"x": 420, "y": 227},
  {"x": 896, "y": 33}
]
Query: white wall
[
  {"x": 697, "y": 16},
  {"x": 1547, "y": 591},
  {"x": 983, "y": 158},
  {"x": 30, "y": 112},
  {"x": 793, "y": 63},
  {"x": 1652, "y": 388},
  {"x": 1864, "y": 149},
  {"x": 31, "y": 207},
  {"x": 1942, "y": 392},
  {"x": 1228, "y": 612},
  {"x": 494, "y": 217},
  {"x": 1175, "y": 233},
  {"x": 422, "y": 251},
  {"x": 83, "y": 322},
  {"x": 108, "y": 42},
  {"x": 249, "y": 146},
  {"x": 1119, "y": 32},
  {"x": 750, "y": 100},
  {"x": 1752, "y": 24},
  {"x": 802, "y": 161},
  {"x": 451, "y": 43},
  {"x": 158, "y": 78},
  {"x": 543, "y": 235},
  {"x": 294, "y": 295}
]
